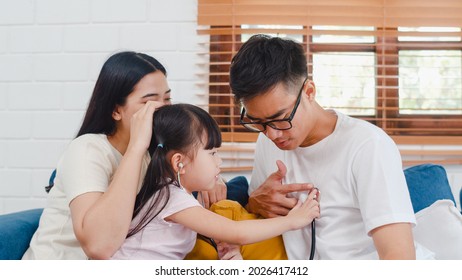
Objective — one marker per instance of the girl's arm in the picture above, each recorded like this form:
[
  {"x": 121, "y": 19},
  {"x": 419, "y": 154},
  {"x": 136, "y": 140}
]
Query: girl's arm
[
  {"x": 220, "y": 228},
  {"x": 101, "y": 220}
]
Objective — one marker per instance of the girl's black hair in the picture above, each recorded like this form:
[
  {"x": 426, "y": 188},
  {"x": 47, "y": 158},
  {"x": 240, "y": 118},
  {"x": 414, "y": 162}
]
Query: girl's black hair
[
  {"x": 117, "y": 79},
  {"x": 177, "y": 128}
]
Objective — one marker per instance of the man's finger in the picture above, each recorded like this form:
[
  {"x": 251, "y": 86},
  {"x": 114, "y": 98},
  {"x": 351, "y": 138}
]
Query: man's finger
[
  {"x": 281, "y": 172},
  {"x": 288, "y": 188}
]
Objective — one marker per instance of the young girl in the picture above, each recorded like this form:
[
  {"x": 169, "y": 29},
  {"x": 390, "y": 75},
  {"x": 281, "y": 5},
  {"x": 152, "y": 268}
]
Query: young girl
[{"x": 184, "y": 159}]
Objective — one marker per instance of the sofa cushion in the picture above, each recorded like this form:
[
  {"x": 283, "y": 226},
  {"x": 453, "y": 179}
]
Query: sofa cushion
[
  {"x": 439, "y": 228},
  {"x": 237, "y": 190},
  {"x": 16, "y": 230},
  {"x": 427, "y": 183}
]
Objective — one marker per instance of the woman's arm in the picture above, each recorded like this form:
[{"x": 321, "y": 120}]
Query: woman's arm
[
  {"x": 101, "y": 220},
  {"x": 249, "y": 231}
]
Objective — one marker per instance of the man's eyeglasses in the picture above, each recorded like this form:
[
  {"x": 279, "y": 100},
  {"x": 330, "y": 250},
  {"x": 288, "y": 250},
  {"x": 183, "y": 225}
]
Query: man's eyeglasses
[{"x": 282, "y": 124}]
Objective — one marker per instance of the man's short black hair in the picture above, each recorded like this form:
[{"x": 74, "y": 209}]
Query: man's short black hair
[{"x": 263, "y": 62}]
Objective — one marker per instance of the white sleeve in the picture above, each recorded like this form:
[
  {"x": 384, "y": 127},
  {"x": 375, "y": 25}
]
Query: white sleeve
[
  {"x": 381, "y": 187},
  {"x": 86, "y": 166},
  {"x": 178, "y": 201}
]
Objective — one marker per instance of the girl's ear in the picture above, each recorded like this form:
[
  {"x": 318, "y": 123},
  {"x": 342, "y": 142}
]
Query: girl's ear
[
  {"x": 116, "y": 114},
  {"x": 177, "y": 162}
]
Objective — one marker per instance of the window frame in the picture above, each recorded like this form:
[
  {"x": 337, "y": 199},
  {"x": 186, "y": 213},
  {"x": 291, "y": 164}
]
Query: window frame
[{"x": 387, "y": 115}]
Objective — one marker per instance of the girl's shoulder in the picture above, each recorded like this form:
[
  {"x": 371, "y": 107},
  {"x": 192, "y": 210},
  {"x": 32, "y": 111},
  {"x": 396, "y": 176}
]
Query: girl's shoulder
[{"x": 180, "y": 199}]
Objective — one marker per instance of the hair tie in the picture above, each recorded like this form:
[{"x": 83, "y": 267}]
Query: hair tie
[{"x": 160, "y": 145}]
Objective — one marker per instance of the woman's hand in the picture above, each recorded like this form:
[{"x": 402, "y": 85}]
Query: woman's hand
[{"x": 141, "y": 127}]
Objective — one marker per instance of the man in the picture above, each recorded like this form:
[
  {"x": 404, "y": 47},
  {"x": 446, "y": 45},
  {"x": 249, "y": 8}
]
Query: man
[{"x": 366, "y": 212}]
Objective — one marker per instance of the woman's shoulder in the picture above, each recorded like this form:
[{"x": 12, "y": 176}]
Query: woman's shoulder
[
  {"x": 91, "y": 144},
  {"x": 92, "y": 140}
]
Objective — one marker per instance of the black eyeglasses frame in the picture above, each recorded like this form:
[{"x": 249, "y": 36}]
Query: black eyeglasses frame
[{"x": 249, "y": 125}]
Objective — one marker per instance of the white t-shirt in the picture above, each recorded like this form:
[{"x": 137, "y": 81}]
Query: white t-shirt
[
  {"x": 87, "y": 165},
  {"x": 161, "y": 239},
  {"x": 358, "y": 171}
]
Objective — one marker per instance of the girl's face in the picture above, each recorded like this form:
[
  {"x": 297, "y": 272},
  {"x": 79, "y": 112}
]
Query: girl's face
[{"x": 202, "y": 173}]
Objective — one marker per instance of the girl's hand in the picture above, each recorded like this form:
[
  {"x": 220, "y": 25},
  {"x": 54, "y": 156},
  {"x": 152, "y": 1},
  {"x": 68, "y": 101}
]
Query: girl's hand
[
  {"x": 141, "y": 127},
  {"x": 304, "y": 213},
  {"x": 228, "y": 251}
]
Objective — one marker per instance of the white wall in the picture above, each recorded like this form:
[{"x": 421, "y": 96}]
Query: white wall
[{"x": 51, "y": 52}]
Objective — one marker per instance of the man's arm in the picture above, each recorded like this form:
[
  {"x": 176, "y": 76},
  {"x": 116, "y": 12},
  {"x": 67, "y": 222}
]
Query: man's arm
[{"x": 394, "y": 241}]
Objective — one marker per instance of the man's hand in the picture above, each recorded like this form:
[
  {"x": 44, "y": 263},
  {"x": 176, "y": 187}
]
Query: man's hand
[
  {"x": 207, "y": 198},
  {"x": 271, "y": 198}
]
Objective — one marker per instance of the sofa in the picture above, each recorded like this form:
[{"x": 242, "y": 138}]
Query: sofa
[{"x": 439, "y": 223}]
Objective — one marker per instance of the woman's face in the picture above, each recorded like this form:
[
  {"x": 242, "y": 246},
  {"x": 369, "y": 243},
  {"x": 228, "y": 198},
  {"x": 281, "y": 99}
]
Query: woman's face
[{"x": 152, "y": 87}]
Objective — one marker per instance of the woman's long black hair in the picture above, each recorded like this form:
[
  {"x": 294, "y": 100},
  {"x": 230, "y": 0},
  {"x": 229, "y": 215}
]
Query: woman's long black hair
[
  {"x": 117, "y": 79},
  {"x": 176, "y": 128}
]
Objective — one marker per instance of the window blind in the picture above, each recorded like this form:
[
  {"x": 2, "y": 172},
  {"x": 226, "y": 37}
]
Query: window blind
[{"x": 394, "y": 63}]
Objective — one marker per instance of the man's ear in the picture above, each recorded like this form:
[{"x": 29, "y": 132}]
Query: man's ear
[
  {"x": 116, "y": 114},
  {"x": 310, "y": 89},
  {"x": 177, "y": 162}
]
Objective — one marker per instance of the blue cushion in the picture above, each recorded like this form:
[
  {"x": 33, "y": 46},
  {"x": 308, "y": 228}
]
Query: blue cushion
[
  {"x": 427, "y": 183},
  {"x": 237, "y": 190},
  {"x": 16, "y": 231}
]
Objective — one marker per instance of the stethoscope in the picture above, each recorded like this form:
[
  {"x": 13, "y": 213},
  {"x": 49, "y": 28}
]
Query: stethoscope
[
  {"x": 313, "y": 236},
  {"x": 206, "y": 238},
  {"x": 313, "y": 240}
]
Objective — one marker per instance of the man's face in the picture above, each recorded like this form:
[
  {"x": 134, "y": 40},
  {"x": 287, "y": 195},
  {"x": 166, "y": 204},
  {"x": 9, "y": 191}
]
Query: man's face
[{"x": 279, "y": 103}]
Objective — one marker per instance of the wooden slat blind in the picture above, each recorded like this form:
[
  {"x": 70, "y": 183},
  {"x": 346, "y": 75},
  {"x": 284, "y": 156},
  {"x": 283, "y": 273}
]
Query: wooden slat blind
[{"x": 395, "y": 63}]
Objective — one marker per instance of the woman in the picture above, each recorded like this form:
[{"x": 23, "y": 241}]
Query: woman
[{"x": 90, "y": 207}]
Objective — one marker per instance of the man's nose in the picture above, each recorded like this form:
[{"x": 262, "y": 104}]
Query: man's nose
[{"x": 272, "y": 133}]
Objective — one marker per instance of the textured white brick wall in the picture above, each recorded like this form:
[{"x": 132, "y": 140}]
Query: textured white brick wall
[{"x": 51, "y": 52}]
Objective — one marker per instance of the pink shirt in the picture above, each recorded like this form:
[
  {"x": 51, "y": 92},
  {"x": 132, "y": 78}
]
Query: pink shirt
[{"x": 162, "y": 240}]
